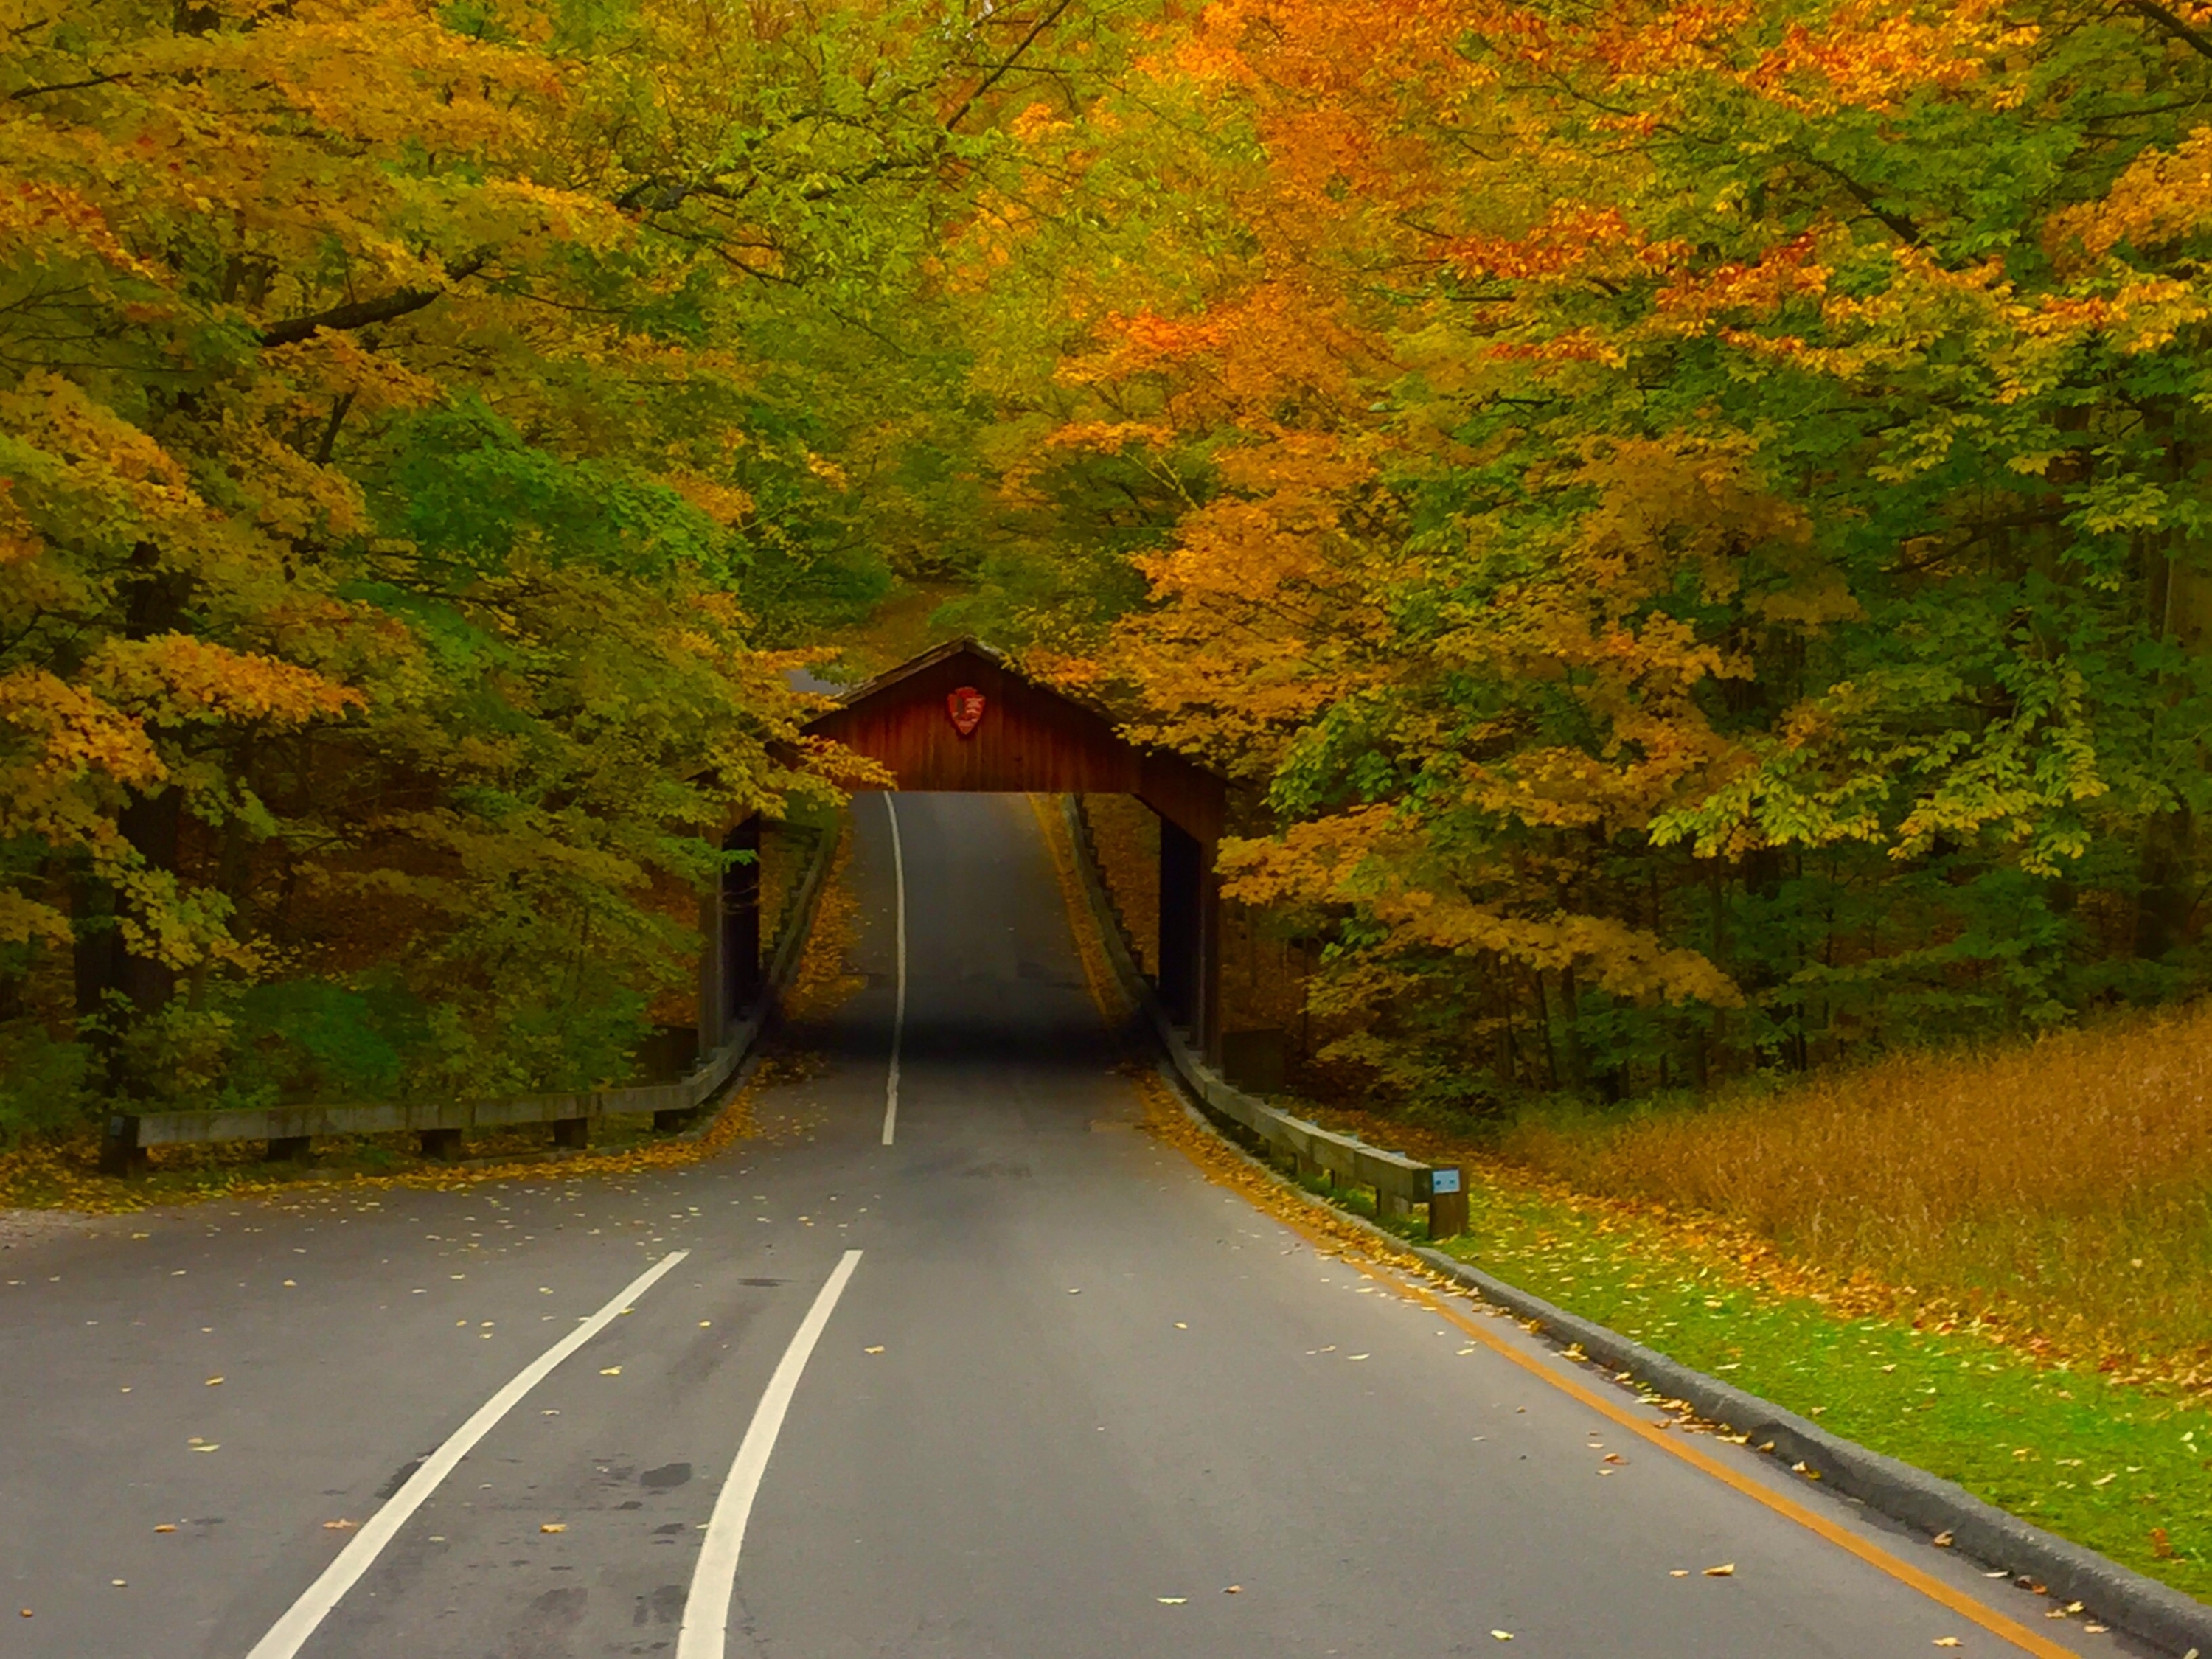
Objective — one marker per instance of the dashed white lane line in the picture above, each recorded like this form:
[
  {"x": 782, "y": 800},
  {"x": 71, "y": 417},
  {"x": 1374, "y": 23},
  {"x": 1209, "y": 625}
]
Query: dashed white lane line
[
  {"x": 289, "y": 1634},
  {"x": 713, "y": 1581},
  {"x": 898, "y": 1009}
]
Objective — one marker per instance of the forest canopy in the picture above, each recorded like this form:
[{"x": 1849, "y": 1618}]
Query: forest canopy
[{"x": 1684, "y": 522}]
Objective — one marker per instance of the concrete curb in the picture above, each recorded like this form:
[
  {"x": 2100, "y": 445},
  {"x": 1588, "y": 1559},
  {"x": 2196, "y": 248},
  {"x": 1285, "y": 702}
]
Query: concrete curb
[{"x": 2125, "y": 1599}]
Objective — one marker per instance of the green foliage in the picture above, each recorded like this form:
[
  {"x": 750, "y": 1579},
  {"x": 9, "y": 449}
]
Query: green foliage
[
  {"x": 42, "y": 1082},
  {"x": 419, "y": 431},
  {"x": 1693, "y": 529}
]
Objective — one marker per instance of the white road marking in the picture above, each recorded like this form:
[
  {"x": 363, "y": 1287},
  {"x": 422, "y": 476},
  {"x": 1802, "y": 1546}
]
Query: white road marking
[
  {"x": 898, "y": 1011},
  {"x": 290, "y": 1633},
  {"x": 713, "y": 1581}
]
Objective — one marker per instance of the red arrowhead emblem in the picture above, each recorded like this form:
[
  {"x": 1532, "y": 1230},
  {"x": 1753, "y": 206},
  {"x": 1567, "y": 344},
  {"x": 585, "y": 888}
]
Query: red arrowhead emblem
[{"x": 965, "y": 706}]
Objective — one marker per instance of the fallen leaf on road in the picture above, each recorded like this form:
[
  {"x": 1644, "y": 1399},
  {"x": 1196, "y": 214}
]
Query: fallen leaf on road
[
  {"x": 1359, "y": 1356},
  {"x": 1942, "y": 1541},
  {"x": 1171, "y": 1601},
  {"x": 166, "y": 1526},
  {"x": 1503, "y": 1635},
  {"x": 553, "y": 1526},
  {"x": 610, "y": 1370},
  {"x": 292, "y": 1284},
  {"x": 208, "y": 1445},
  {"x": 119, "y": 1583},
  {"x": 2095, "y": 1630},
  {"x": 1180, "y": 1325},
  {"x": 1678, "y": 1572},
  {"x": 1614, "y": 1457},
  {"x": 212, "y": 1381},
  {"x": 1949, "y": 1642},
  {"x": 1726, "y": 1570},
  {"x": 877, "y": 1349},
  {"x": 340, "y": 1525},
  {"x": 1234, "y": 1589}
]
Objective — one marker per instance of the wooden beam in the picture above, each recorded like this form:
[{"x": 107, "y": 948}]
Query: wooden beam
[
  {"x": 1205, "y": 1022},
  {"x": 1181, "y": 883},
  {"x": 741, "y": 922}
]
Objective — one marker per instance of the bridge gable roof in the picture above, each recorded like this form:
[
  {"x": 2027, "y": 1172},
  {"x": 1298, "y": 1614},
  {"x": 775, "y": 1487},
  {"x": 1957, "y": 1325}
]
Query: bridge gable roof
[{"x": 1029, "y": 737}]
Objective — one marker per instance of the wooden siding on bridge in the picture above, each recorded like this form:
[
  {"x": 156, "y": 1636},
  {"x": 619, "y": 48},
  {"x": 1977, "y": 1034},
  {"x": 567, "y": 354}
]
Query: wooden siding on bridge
[{"x": 1029, "y": 738}]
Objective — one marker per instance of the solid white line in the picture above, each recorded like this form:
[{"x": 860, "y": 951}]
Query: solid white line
[
  {"x": 714, "y": 1580},
  {"x": 898, "y": 1011},
  {"x": 289, "y": 1634}
]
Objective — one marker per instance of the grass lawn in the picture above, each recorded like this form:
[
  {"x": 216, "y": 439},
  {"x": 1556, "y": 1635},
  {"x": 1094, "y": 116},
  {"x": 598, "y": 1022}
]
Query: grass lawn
[{"x": 2118, "y": 1467}]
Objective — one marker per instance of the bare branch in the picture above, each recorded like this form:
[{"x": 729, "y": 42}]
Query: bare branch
[
  {"x": 1013, "y": 58},
  {"x": 2171, "y": 24},
  {"x": 364, "y": 313},
  {"x": 65, "y": 86}
]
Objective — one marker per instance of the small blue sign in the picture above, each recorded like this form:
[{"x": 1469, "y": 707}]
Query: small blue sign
[{"x": 1443, "y": 1181}]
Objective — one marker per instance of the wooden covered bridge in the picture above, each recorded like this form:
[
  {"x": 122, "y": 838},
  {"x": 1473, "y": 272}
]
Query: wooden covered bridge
[{"x": 961, "y": 717}]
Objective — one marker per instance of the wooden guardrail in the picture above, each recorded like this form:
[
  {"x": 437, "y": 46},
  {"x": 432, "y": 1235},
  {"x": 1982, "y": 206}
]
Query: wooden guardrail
[
  {"x": 1398, "y": 1181},
  {"x": 291, "y": 1130}
]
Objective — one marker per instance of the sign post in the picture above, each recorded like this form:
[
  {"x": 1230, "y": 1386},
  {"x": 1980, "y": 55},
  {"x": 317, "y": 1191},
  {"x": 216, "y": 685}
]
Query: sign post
[{"x": 1447, "y": 1204}]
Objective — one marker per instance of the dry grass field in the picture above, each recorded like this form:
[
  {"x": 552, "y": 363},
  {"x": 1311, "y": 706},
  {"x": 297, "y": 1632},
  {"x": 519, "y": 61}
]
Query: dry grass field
[{"x": 2065, "y": 1183}]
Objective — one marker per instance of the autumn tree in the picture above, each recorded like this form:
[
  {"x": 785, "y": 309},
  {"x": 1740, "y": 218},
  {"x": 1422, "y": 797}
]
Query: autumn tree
[
  {"x": 1690, "y": 518},
  {"x": 420, "y": 427}
]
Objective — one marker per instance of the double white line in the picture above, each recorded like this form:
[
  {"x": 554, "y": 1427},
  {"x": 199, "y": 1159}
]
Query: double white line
[{"x": 706, "y": 1610}]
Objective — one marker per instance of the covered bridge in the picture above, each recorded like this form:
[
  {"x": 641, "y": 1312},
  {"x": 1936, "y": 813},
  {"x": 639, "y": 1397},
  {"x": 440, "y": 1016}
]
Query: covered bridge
[{"x": 962, "y": 717}]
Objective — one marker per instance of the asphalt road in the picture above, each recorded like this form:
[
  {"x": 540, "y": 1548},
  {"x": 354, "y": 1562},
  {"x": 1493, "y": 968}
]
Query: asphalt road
[{"x": 1070, "y": 1402}]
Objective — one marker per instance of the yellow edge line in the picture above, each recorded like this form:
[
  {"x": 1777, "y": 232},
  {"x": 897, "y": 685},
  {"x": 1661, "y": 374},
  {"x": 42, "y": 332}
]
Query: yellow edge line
[{"x": 1873, "y": 1555}]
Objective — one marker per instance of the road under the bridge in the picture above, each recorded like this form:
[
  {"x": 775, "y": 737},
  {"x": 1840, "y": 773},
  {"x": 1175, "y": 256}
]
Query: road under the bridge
[{"x": 1071, "y": 1401}]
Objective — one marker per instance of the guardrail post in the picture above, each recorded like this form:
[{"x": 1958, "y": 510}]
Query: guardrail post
[
  {"x": 120, "y": 1154},
  {"x": 673, "y": 1118},
  {"x": 1447, "y": 1203},
  {"x": 574, "y": 1132},
  {"x": 293, "y": 1149},
  {"x": 442, "y": 1143}
]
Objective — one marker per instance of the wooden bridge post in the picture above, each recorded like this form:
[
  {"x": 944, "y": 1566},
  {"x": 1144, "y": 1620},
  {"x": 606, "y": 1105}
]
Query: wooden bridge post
[
  {"x": 1182, "y": 893},
  {"x": 1205, "y": 1020},
  {"x": 710, "y": 968},
  {"x": 741, "y": 924}
]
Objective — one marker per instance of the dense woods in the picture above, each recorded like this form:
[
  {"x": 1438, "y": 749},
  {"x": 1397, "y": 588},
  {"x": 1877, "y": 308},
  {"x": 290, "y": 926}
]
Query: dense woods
[
  {"x": 1689, "y": 518},
  {"x": 1684, "y": 522},
  {"x": 420, "y": 428}
]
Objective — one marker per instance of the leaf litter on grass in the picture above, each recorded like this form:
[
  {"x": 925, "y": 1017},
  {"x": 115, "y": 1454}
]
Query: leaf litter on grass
[{"x": 1922, "y": 1379}]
